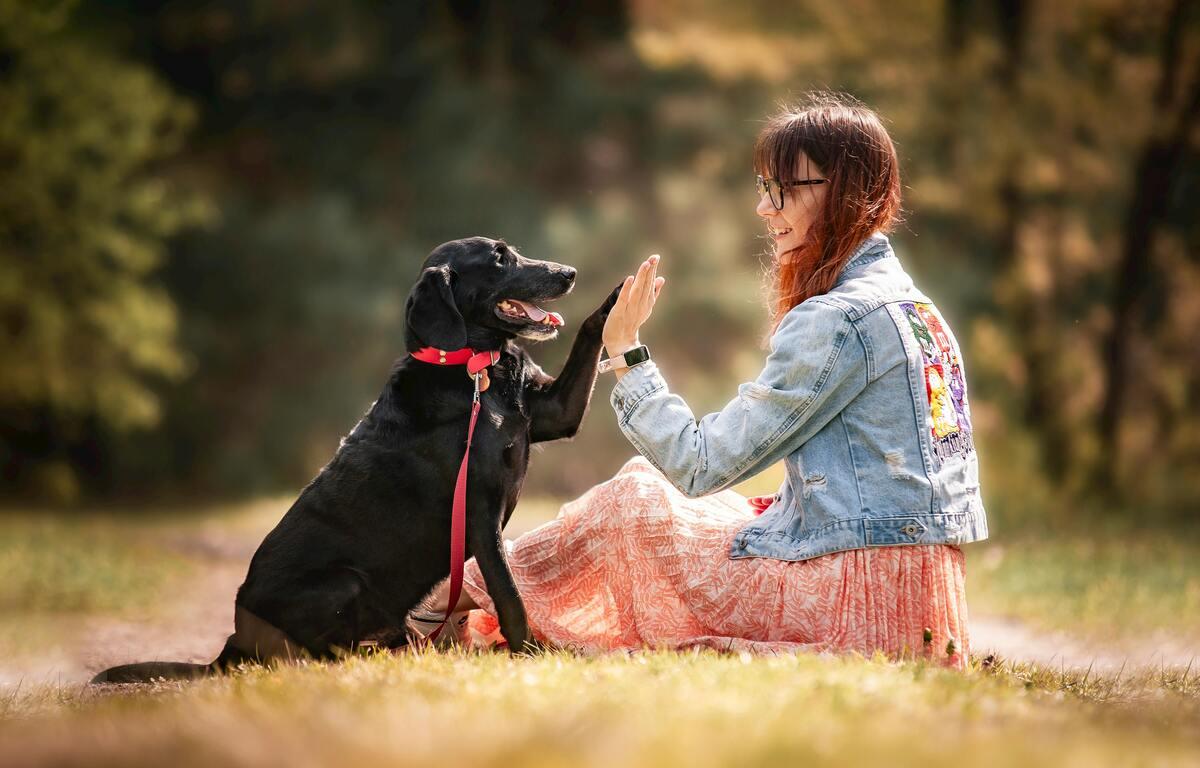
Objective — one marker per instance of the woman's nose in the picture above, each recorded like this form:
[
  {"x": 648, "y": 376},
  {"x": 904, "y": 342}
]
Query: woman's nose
[{"x": 765, "y": 207}]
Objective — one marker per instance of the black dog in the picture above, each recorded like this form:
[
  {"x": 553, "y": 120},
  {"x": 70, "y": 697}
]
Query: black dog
[{"x": 370, "y": 535}]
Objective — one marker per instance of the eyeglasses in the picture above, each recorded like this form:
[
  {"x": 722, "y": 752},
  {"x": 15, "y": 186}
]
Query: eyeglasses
[{"x": 774, "y": 188}]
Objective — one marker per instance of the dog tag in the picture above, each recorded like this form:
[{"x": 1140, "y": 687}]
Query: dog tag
[{"x": 484, "y": 381}]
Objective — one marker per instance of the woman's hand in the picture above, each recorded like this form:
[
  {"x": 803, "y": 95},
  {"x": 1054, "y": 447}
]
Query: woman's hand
[{"x": 633, "y": 308}]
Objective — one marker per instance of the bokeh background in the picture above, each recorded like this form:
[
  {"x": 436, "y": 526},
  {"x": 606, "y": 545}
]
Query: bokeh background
[{"x": 212, "y": 211}]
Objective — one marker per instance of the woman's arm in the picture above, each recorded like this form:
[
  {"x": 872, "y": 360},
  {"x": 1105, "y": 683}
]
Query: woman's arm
[{"x": 816, "y": 366}]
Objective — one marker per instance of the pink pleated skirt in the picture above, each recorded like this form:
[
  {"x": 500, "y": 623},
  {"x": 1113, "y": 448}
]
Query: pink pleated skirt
[{"x": 633, "y": 563}]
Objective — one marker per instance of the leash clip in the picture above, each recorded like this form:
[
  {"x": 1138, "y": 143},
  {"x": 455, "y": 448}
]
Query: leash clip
[{"x": 477, "y": 377}]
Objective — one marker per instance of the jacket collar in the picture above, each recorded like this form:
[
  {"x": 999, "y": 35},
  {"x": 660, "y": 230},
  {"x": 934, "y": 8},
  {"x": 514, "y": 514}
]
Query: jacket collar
[{"x": 874, "y": 248}]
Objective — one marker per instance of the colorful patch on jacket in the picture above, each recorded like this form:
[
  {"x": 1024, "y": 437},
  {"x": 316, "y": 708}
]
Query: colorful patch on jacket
[{"x": 945, "y": 385}]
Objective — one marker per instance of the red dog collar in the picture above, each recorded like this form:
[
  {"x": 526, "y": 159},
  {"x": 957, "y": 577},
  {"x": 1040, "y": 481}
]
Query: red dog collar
[{"x": 475, "y": 361}]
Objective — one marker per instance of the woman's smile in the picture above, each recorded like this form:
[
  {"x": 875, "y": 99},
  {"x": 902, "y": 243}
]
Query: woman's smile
[
  {"x": 786, "y": 235},
  {"x": 789, "y": 225}
]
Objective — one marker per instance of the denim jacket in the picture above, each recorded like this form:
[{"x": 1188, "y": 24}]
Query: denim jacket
[{"x": 864, "y": 398}]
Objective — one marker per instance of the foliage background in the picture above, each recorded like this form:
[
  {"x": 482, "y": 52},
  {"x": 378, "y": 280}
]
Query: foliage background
[{"x": 211, "y": 213}]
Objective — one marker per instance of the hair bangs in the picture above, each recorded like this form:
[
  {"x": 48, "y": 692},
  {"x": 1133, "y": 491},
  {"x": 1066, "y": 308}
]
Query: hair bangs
[{"x": 779, "y": 145}]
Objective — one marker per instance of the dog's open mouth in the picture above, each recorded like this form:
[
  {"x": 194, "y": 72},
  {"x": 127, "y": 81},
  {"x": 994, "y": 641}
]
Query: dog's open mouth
[{"x": 524, "y": 310}]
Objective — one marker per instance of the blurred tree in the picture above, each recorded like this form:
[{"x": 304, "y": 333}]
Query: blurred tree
[
  {"x": 1175, "y": 109},
  {"x": 1049, "y": 154},
  {"x": 84, "y": 329},
  {"x": 345, "y": 141}
]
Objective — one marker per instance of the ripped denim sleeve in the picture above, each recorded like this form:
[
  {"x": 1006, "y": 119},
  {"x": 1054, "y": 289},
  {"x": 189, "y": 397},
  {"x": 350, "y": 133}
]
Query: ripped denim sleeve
[
  {"x": 816, "y": 365},
  {"x": 751, "y": 391}
]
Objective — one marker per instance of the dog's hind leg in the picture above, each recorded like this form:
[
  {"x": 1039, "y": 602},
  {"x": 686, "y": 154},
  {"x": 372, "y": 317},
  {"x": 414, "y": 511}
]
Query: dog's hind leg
[{"x": 326, "y": 619}]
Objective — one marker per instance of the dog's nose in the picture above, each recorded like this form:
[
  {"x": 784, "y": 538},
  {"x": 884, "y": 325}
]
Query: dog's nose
[{"x": 569, "y": 273}]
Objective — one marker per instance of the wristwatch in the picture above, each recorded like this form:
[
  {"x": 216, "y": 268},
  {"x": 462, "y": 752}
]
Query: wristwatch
[{"x": 631, "y": 358}]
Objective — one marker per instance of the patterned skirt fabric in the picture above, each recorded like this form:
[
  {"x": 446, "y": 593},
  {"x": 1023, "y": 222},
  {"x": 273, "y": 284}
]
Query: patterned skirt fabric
[{"x": 634, "y": 563}]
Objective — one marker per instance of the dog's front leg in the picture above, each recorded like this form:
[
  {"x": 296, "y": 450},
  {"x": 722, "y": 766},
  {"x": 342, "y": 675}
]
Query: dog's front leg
[
  {"x": 487, "y": 545},
  {"x": 557, "y": 407}
]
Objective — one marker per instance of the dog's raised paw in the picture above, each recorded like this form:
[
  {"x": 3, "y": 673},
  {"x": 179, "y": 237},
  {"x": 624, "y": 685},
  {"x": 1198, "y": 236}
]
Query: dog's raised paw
[
  {"x": 601, "y": 314},
  {"x": 611, "y": 301}
]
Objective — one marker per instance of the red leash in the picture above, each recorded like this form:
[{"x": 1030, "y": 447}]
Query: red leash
[{"x": 477, "y": 364}]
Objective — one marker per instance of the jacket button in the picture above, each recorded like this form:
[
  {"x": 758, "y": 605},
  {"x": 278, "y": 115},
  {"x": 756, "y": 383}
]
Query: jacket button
[{"x": 910, "y": 529}]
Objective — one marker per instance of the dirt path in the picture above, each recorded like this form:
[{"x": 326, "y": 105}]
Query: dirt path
[
  {"x": 193, "y": 630},
  {"x": 196, "y": 627},
  {"x": 1012, "y": 639}
]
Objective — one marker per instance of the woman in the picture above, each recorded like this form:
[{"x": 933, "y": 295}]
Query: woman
[{"x": 862, "y": 396}]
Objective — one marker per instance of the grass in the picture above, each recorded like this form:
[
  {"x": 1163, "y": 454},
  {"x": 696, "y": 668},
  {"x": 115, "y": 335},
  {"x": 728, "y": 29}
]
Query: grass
[
  {"x": 655, "y": 708},
  {"x": 101, "y": 561},
  {"x": 53, "y": 566},
  {"x": 646, "y": 709},
  {"x": 57, "y": 567},
  {"x": 53, "y": 563},
  {"x": 1115, "y": 587}
]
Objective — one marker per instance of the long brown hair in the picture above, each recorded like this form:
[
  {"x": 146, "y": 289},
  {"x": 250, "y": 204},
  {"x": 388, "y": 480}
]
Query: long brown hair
[{"x": 847, "y": 141}]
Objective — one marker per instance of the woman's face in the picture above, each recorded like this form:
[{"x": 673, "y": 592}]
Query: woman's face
[{"x": 801, "y": 207}]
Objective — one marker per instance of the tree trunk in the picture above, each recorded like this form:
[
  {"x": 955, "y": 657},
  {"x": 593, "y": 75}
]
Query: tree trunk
[{"x": 1154, "y": 175}]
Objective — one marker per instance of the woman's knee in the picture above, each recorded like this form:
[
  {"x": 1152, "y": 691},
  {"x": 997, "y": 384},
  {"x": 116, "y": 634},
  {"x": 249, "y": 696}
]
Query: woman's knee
[
  {"x": 636, "y": 464},
  {"x": 638, "y": 478},
  {"x": 638, "y": 492}
]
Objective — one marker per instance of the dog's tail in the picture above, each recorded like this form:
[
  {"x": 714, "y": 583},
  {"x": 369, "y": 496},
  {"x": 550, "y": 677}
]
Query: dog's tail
[{"x": 149, "y": 671}]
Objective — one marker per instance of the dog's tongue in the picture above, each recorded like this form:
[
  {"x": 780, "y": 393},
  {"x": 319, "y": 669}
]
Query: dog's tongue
[{"x": 537, "y": 314}]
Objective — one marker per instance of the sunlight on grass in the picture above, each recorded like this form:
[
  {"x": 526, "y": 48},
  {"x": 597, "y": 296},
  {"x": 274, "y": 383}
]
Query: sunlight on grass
[
  {"x": 57, "y": 568},
  {"x": 104, "y": 561},
  {"x": 644, "y": 709},
  {"x": 54, "y": 563},
  {"x": 54, "y": 566},
  {"x": 651, "y": 709},
  {"x": 1109, "y": 586}
]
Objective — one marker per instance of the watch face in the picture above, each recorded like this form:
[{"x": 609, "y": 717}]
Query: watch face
[{"x": 637, "y": 355}]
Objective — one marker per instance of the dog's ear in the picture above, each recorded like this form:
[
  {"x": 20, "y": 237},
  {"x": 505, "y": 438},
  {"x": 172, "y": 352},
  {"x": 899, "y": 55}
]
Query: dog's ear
[{"x": 431, "y": 314}]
